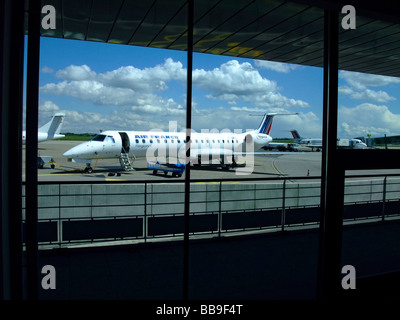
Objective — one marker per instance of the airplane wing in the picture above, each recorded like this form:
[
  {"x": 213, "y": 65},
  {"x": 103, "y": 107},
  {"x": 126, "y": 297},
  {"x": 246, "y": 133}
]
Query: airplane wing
[
  {"x": 218, "y": 153},
  {"x": 312, "y": 146},
  {"x": 277, "y": 153}
]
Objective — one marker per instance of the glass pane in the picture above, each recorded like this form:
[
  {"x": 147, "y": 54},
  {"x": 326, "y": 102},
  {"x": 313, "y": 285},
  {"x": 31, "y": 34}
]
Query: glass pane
[
  {"x": 107, "y": 92},
  {"x": 371, "y": 223},
  {"x": 368, "y": 85},
  {"x": 250, "y": 198},
  {"x": 368, "y": 115}
]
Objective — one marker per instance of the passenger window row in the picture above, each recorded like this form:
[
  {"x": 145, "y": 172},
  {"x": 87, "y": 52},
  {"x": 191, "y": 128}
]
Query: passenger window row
[{"x": 184, "y": 141}]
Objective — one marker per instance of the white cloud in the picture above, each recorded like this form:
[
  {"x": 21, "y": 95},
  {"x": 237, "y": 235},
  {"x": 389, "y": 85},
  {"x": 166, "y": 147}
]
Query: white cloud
[
  {"x": 366, "y": 94},
  {"x": 148, "y": 79},
  {"x": 234, "y": 81},
  {"x": 150, "y": 117},
  {"x": 359, "y": 83},
  {"x": 129, "y": 86},
  {"x": 125, "y": 86},
  {"x": 307, "y": 124},
  {"x": 274, "y": 100},
  {"x": 46, "y": 69},
  {"x": 48, "y": 107},
  {"x": 366, "y": 119},
  {"x": 234, "y": 78},
  {"x": 76, "y": 73},
  {"x": 96, "y": 92},
  {"x": 249, "y": 118},
  {"x": 275, "y": 66},
  {"x": 133, "y": 96},
  {"x": 145, "y": 117}
]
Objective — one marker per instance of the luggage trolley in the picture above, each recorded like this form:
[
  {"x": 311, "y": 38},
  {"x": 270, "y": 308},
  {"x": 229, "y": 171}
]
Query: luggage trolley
[{"x": 177, "y": 169}]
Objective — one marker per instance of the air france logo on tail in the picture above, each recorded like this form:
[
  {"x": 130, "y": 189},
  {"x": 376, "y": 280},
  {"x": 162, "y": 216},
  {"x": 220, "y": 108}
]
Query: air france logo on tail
[{"x": 266, "y": 124}]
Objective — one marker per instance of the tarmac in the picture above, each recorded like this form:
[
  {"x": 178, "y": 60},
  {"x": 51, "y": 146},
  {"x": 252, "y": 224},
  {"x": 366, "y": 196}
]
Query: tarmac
[{"x": 267, "y": 165}]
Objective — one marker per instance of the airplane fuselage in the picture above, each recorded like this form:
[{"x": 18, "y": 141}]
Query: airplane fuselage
[
  {"x": 221, "y": 148},
  {"x": 110, "y": 144},
  {"x": 42, "y": 136},
  {"x": 312, "y": 142}
]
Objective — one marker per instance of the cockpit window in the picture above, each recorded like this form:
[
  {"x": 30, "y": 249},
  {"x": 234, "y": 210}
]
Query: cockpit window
[
  {"x": 99, "y": 137},
  {"x": 110, "y": 139}
]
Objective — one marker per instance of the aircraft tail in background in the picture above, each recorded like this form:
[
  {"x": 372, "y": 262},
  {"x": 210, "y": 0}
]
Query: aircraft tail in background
[
  {"x": 53, "y": 127},
  {"x": 51, "y": 130},
  {"x": 266, "y": 123},
  {"x": 296, "y": 135}
]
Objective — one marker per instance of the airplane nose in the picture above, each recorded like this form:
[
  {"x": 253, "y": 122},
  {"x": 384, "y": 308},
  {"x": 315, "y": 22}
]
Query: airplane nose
[
  {"x": 69, "y": 153},
  {"x": 86, "y": 150},
  {"x": 76, "y": 151}
]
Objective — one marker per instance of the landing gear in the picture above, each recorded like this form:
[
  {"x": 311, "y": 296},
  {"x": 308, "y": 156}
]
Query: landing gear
[
  {"x": 226, "y": 165},
  {"x": 234, "y": 164},
  {"x": 198, "y": 164},
  {"x": 88, "y": 168}
]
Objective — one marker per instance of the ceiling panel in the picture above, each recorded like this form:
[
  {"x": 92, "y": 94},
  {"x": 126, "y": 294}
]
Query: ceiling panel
[
  {"x": 262, "y": 29},
  {"x": 161, "y": 14},
  {"x": 76, "y": 18},
  {"x": 297, "y": 31},
  {"x": 128, "y": 20},
  {"x": 102, "y": 19}
]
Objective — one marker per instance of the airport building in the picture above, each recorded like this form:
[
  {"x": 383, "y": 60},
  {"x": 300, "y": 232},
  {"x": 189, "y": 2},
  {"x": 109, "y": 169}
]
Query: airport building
[
  {"x": 385, "y": 141},
  {"x": 258, "y": 238}
]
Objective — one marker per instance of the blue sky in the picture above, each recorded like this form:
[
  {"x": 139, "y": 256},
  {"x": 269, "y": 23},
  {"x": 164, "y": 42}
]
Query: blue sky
[{"x": 107, "y": 86}]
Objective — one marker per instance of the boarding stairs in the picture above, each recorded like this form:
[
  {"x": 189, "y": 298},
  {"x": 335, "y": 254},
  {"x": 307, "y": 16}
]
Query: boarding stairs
[{"x": 126, "y": 162}]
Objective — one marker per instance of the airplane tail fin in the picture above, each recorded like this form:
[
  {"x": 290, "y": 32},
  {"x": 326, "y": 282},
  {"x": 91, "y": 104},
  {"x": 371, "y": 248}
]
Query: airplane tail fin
[
  {"x": 295, "y": 135},
  {"x": 266, "y": 123},
  {"x": 53, "y": 127}
]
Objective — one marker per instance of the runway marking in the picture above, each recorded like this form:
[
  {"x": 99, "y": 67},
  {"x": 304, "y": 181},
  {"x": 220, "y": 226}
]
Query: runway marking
[{"x": 275, "y": 167}]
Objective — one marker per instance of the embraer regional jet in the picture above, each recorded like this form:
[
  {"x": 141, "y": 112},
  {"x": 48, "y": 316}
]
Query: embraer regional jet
[
  {"x": 222, "y": 148},
  {"x": 309, "y": 142},
  {"x": 317, "y": 143},
  {"x": 51, "y": 130}
]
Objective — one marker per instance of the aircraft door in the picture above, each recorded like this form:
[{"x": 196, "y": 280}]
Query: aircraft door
[{"x": 125, "y": 142}]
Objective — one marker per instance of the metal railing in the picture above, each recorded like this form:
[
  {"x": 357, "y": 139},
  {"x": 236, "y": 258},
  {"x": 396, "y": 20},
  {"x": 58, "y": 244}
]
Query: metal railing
[{"x": 72, "y": 213}]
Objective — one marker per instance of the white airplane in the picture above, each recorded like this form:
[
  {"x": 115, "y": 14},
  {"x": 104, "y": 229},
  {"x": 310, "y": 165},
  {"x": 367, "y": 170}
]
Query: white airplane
[
  {"x": 51, "y": 130},
  {"x": 308, "y": 142},
  {"x": 222, "y": 148},
  {"x": 317, "y": 143},
  {"x": 281, "y": 146}
]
